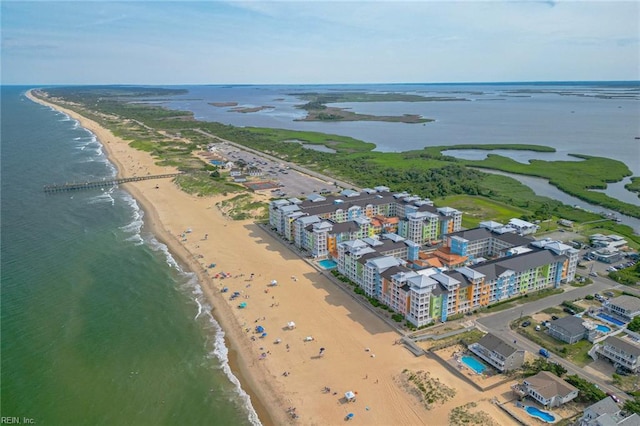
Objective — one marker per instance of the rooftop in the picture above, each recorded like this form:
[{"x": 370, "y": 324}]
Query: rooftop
[{"x": 549, "y": 385}]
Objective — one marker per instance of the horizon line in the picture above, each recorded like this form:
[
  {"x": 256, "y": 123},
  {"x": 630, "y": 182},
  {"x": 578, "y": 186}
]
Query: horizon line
[{"x": 322, "y": 84}]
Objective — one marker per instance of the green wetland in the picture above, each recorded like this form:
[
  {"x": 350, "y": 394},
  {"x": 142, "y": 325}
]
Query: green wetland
[{"x": 173, "y": 137}]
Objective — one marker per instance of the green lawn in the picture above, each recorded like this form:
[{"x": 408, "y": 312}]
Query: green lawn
[{"x": 477, "y": 209}]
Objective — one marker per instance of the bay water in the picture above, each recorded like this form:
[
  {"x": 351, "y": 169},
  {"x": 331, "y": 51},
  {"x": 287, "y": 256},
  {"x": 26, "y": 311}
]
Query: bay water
[{"x": 100, "y": 325}]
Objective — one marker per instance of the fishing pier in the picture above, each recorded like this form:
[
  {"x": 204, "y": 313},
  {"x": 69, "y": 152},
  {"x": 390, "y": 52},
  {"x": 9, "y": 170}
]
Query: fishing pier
[{"x": 103, "y": 183}]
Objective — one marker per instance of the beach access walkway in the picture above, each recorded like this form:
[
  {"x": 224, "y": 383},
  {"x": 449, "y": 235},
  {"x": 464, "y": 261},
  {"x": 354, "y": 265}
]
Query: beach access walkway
[{"x": 104, "y": 183}]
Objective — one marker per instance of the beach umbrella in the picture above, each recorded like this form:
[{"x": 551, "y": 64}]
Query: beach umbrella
[
  {"x": 350, "y": 416},
  {"x": 263, "y": 335},
  {"x": 259, "y": 329},
  {"x": 291, "y": 325}
]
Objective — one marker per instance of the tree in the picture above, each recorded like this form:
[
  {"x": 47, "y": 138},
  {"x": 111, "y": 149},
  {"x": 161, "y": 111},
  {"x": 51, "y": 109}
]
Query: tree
[
  {"x": 589, "y": 392},
  {"x": 632, "y": 405},
  {"x": 634, "y": 325}
]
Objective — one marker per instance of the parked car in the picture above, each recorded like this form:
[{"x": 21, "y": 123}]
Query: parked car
[
  {"x": 613, "y": 396},
  {"x": 538, "y": 328},
  {"x": 544, "y": 353},
  {"x": 569, "y": 311},
  {"x": 526, "y": 323},
  {"x": 553, "y": 317}
]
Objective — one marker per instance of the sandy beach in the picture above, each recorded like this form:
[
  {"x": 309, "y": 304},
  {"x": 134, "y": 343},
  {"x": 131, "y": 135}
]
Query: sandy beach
[{"x": 281, "y": 370}]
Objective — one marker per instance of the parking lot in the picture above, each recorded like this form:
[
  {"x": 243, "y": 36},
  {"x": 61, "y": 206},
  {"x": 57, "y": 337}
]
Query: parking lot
[{"x": 289, "y": 181}]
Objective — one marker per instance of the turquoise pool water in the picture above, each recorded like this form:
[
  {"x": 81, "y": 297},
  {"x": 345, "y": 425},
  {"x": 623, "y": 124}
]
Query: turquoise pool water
[
  {"x": 327, "y": 264},
  {"x": 474, "y": 364},
  {"x": 542, "y": 415},
  {"x": 603, "y": 328}
]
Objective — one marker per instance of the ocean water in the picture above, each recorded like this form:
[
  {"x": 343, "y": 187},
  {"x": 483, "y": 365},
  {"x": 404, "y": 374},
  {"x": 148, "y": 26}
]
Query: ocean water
[{"x": 100, "y": 325}]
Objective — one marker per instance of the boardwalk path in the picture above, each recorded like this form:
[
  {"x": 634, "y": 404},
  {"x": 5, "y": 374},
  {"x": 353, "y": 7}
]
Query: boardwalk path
[{"x": 103, "y": 183}]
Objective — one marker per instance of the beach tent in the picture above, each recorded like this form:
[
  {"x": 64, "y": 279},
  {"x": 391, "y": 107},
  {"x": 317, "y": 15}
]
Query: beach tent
[
  {"x": 259, "y": 329},
  {"x": 263, "y": 335},
  {"x": 349, "y": 416},
  {"x": 291, "y": 325},
  {"x": 350, "y": 396},
  {"x": 242, "y": 305},
  {"x": 273, "y": 283}
]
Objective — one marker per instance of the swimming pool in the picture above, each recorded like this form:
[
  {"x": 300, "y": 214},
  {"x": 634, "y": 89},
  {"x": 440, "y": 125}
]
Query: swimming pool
[
  {"x": 474, "y": 364},
  {"x": 603, "y": 328},
  {"x": 611, "y": 319},
  {"x": 542, "y": 415},
  {"x": 327, "y": 264}
]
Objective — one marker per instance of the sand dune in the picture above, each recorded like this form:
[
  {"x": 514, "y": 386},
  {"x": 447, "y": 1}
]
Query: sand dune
[{"x": 337, "y": 323}]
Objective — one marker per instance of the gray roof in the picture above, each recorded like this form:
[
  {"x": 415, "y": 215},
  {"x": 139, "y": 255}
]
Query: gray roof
[
  {"x": 571, "y": 325},
  {"x": 549, "y": 385},
  {"x": 632, "y": 420},
  {"x": 628, "y": 303},
  {"x": 315, "y": 197},
  {"x": 518, "y": 263},
  {"x": 389, "y": 273},
  {"x": 289, "y": 208},
  {"x": 476, "y": 234},
  {"x": 349, "y": 226},
  {"x": 329, "y": 205},
  {"x": 369, "y": 255},
  {"x": 384, "y": 262},
  {"x": 306, "y": 220},
  {"x": 422, "y": 281},
  {"x": 496, "y": 344},
  {"x": 623, "y": 345},
  {"x": 388, "y": 245},
  {"x": 604, "y": 406}
]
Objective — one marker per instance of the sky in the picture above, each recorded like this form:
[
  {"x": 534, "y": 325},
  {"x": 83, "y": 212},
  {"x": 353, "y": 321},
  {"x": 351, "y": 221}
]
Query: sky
[{"x": 317, "y": 42}]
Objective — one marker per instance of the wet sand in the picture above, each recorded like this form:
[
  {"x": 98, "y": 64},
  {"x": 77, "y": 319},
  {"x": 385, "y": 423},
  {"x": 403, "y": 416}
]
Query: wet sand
[{"x": 320, "y": 310}]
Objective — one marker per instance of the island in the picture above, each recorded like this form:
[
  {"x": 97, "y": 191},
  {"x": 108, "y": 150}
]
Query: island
[{"x": 317, "y": 110}]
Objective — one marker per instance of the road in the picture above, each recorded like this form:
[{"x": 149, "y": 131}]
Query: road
[
  {"x": 293, "y": 166},
  {"x": 498, "y": 324}
]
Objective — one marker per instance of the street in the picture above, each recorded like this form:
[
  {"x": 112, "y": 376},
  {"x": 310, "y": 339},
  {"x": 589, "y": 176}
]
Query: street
[{"x": 498, "y": 324}]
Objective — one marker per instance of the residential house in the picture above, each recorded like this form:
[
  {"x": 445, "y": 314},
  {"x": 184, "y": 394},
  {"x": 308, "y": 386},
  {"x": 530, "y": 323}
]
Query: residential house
[
  {"x": 570, "y": 329},
  {"x": 607, "y": 413},
  {"x": 498, "y": 353},
  {"x": 549, "y": 390},
  {"x": 621, "y": 352},
  {"x": 625, "y": 307}
]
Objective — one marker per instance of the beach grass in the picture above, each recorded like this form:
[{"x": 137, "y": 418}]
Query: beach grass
[
  {"x": 477, "y": 208},
  {"x": 201, "y": 184},
  {"x": 425, "y": 172}
]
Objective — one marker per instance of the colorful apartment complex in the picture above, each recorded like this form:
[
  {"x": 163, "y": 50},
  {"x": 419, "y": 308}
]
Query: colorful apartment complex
[
  {"x": 492, "y": 262},
  {"x": 318, "y": 224},
  {"x": 385, "y": 269}
]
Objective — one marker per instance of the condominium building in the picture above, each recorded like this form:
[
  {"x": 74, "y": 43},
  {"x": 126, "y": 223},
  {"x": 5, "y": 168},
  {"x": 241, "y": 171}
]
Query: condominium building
[
  {"x": 353, "y": 214},
  {"x": 440, "y": 294}
]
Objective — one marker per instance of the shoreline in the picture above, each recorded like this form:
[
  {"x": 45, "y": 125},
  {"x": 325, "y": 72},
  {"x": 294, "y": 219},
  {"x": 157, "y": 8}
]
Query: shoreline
[
  {"x": 361, "y": 351},
  {"x": 235, "y": 359}
]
